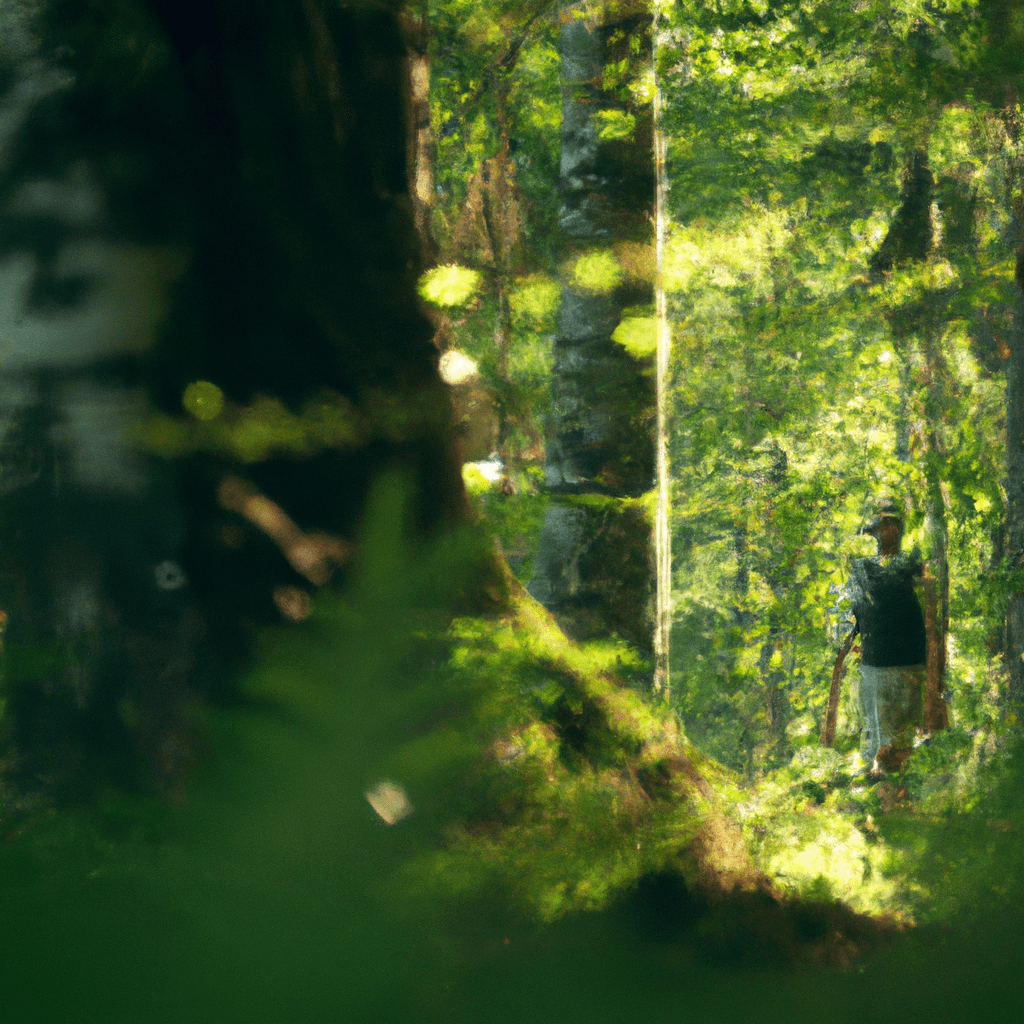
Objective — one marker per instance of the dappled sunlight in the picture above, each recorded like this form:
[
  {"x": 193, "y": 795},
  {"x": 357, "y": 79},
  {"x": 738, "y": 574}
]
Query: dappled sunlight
[
  {"x": 440, "y": 582},
  {"x": 450, "y": 286}
]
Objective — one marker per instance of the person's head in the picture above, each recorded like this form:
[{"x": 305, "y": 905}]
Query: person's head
[{"x": 886, "y": 526}]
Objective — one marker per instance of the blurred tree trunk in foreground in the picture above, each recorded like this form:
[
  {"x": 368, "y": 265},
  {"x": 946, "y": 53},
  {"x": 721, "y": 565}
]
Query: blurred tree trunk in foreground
[{"x": 264, "y": 147}]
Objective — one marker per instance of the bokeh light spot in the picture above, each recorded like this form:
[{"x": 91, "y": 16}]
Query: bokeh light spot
[{"x": 203, "y": 400}]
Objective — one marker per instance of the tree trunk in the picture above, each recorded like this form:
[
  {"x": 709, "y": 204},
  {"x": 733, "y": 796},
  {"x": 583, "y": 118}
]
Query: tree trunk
[
  {"x": 274, "y": 144},
  {"x": 593, "y": 568},
  {"x": 662, "y": 515},
  {"x": 1014, "y": 544},
  {"x": 501, "y": 222},
  {"x": 416, "y": 30},
  {"x": 936, "y": 712}
]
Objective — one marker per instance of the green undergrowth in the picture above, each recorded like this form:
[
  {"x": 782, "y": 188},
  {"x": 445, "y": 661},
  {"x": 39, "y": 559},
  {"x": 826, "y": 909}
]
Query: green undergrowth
[
  {"x": 575, "y": 798},
  {"x": 514, "y": 520},
  {"x": 812, "y": 831},
  {"x": 924, "y": 845},
  {"x": 533, "y": 766}
]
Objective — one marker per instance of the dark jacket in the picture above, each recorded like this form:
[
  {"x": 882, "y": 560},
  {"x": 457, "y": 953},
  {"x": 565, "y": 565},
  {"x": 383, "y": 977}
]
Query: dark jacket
[{"x": 888, "y": 614}]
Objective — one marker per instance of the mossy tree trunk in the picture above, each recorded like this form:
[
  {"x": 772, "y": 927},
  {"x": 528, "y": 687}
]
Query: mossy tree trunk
[
  {"x": 501, "y": 222},
  {"x": 594, "y": 565}
]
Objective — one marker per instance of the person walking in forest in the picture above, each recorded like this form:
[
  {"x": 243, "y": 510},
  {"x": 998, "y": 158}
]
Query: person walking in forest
[{"x": 893, "y": 643}]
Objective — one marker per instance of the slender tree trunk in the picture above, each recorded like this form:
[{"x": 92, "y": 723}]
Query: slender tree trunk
[
  {"x": 936, "y": 712},
  {"x": 774, "y": 677},
  {"x": 501, "y": 221},
  {"x": 1015, "y": 491},
  {"x": 662, "y": 526}
]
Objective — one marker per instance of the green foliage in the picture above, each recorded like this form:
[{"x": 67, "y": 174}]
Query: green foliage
[
  {"x": 205, "y": 401},
  {"x": 805, "y": 382},
  {"x": 615, "y": 126},
  {"x": 815, "y": 838},
  {"x": 266, "y": 427},
  {"x": 450, "y": 286},
  {"x": 597, "y": 272},
  {"x": 560, "y": 822},
  {"x": 535, "y": 300},
  {"x": 637, "y": 335},
  {"x": 516, "y": 521},
  {"x": 794, "y": 401}
]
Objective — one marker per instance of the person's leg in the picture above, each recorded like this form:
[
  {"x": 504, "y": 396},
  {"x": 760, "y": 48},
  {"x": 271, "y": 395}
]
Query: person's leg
[
  {"x": 900, "y": 699},
  {"x": 872, "y": 736}
]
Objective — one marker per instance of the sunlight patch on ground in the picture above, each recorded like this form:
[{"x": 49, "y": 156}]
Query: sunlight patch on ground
[{"x": 811, "y": 833}]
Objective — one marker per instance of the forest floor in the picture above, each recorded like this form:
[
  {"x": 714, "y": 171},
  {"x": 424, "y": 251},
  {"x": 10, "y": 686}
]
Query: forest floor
[
  {"x": 544, "y": 787},
  {"x": 919, "y": 847}
]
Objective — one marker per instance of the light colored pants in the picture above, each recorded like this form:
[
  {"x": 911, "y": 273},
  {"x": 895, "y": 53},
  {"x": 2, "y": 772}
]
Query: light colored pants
[{"x": 891, "y": 701}]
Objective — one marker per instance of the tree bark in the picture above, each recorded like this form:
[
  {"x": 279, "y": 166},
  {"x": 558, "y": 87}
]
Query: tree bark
[
  {"x": 501, "y": 222},
  {"x": 936, "y": 711},
  {"x": 273, "y": 138},
  {"x": 416, "y": 30},
  {"x": 594, "y": 564}
]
